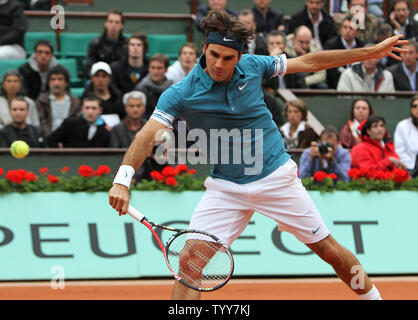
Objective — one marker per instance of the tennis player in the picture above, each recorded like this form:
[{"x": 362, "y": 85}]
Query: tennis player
[{"x": 224, "y": 92}]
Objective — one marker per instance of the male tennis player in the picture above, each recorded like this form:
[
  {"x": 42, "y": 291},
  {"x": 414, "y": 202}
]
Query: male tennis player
[{"x": 224, "y": 92}]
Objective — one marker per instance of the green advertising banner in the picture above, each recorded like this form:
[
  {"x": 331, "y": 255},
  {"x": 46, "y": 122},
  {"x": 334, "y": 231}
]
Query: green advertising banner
[{"x": 81, "y": 237}]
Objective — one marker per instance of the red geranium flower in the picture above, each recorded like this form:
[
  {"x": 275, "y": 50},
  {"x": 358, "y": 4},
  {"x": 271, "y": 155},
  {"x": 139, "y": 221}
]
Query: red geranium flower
[
  {"x": 192, "y": 171},
  {"x": 333, "y": 176},
  {"x": 53, "y": 179},
  {"x": 378, "y": 175},
  {"x": 85, "y": 171},
  {"x": 31, "y": 177},
  {"x": 319, "y": 176},
  {"x": 1, "y": 172},
  {"x": 101, "y": 170},
  {"x": 181, "y": 168},
  {"x": 169, "y": 172},
  {"x": 16, "y": 176},
  {"x": 157, "y": 176},
  {"x": 170, "y": 181},
  {"x": 353, "y": 173},
  {"x": 43, "y": 171},
  {"x": 400, "y": 175},
  {"x": 64, "y": 169}
]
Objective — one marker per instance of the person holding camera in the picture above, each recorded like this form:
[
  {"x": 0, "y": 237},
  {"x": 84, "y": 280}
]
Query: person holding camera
[{"x": 326, "y": 155}]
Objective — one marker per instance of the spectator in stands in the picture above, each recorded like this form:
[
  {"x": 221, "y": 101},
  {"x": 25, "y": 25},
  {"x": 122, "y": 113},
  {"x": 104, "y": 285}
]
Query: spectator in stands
[
  {"x": 375, "y": 7},
  {"x": 258, "y": 44},
  {"x": 296, "y": 132},
  {"x": 87, "y": 130},
  {"x": 405, "y": 73},
  {"x": 347, "y": 39},
  {"x": 57, "y": 103},
  {"x": 110, "y": 46},
  {"x": 406, "y": 139},
  {"x": 101, "y": 86},
  {"x": 314, "y": 16},
  {"x": 187, "y": 59},
  {"x": 19, "y": 129},
  {"x": 276, "y": 44},
  {"x": 386, "y": 31},
  {"x": 376, "y": 150},
  {"x": 327, "y": 156},
  {"x": 367, "y": 23},
  {"x": 155, "y": 83},
  {"x": 10, "y": 89},
  {"x": 212, "y": 5},
  {"x": 131, "y": 69},
  {"x": 267, "y": 19},
  {"x": 367, "y": 76},
  {"x": 13, "y": 25},
  {"x": 35, "y": 71},
  {"x": 124, "y": 133},
  {"x": 300, "y": 43},
  {"x": 402, "y": 22},
  {"x": 350, "y": 133}
]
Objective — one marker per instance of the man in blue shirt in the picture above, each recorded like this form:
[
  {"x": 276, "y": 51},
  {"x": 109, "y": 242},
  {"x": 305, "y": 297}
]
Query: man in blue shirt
[{"x": 224, "y": 92}]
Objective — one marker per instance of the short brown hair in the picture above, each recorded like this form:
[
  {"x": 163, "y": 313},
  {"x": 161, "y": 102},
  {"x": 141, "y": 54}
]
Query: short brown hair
[
  {"x": 224, "y": 23},
  {"x": 160, "y": 57},
  {"x": 300, "y": 105},
  {"x": 190, "y": 45},
  {"x": 139, "y": 36},
  {"x": 117, "y": 12}
]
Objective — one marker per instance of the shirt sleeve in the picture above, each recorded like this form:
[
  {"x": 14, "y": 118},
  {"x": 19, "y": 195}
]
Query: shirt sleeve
[
  {"x": 271, "y": 66},
  {"x": 168, "y": 107}
]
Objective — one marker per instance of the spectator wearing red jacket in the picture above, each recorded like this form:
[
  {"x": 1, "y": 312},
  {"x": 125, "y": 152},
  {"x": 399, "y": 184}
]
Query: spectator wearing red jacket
[{"x": 376, "y": 151}]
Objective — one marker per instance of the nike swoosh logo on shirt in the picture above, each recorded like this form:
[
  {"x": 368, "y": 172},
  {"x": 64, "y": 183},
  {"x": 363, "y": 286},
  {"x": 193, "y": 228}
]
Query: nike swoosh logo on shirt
[{"x": 242, "y": 87}]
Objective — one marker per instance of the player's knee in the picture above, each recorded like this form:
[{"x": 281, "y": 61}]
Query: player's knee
[{"x": 329, "y": 251}]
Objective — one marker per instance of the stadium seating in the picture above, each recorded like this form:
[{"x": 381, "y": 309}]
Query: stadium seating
[
  {"x": 75, "y": 45},
  {"x": 71, "y": 65},
  {"x": 168, "y": 44},
  {"x": 31, "y": 38},
  {"x": 77, "y": 92},
  {"x": 6, "y": 65}
]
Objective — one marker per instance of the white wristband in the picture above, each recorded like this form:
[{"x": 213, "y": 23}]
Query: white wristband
[{"x": 124, "y": 176}]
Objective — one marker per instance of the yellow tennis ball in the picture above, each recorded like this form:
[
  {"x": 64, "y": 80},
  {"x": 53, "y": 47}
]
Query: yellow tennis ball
[{"x": 19, "y": 149}]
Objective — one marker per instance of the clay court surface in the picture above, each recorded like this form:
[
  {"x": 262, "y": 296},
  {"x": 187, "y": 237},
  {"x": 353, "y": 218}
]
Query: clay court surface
[{"x": 391, "y": 288}]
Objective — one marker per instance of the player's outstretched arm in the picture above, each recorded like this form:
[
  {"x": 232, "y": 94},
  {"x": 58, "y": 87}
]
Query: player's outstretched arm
[
  {"x": 136, "y": 154},
  {"x": 328, "y": 59}
]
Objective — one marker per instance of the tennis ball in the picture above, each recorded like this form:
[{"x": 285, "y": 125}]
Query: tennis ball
[{"x": 19, "y": 149}]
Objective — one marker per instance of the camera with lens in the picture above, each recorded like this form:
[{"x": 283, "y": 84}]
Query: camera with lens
[{"x": 323, "y": 147}]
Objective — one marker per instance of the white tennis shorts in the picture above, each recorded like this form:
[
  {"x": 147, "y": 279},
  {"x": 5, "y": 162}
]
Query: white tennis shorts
[{"x": 226, "y": 207}]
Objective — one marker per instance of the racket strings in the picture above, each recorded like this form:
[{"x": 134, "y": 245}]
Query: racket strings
[{"x": 199, "y": 260}]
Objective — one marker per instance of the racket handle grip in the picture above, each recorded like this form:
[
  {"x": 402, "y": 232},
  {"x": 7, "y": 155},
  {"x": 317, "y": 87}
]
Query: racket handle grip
[{"x": 134, "y": 213}]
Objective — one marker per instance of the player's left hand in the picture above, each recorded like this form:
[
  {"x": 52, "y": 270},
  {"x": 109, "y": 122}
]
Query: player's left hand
[{"x": 389, "y": 46}]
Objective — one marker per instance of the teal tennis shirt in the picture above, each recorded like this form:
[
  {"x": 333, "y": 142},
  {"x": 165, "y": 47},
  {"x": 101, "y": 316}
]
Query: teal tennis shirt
[{"x": 243, "y": 143}]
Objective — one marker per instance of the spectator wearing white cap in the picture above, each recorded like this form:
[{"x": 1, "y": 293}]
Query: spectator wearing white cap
[{"x": 101, "y": 85}]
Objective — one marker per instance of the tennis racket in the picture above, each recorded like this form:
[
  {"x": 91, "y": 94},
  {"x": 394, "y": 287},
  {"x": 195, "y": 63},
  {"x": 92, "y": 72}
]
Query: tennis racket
[{"x": 197, "y": 259}]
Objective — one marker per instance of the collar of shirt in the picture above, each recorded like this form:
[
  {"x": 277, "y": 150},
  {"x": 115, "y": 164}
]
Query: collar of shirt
[
  {"x": 53, "y": 98},
  {"x": 320, "y": 18},
  {"x": 207, "y": 81},
  {"x": 347, "y": 46}
]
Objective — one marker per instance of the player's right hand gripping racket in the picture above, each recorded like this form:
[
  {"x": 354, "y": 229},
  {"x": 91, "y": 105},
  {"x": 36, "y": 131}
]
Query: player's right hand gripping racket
[{"x": 197, "y": 259}]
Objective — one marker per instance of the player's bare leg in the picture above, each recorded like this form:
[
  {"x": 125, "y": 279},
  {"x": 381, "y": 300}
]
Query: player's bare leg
[{"x": 345, "y": 264}]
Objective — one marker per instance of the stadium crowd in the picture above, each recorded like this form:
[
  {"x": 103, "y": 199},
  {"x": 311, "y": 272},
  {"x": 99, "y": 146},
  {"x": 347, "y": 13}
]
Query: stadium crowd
[{"x": 123, "y": 84}]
